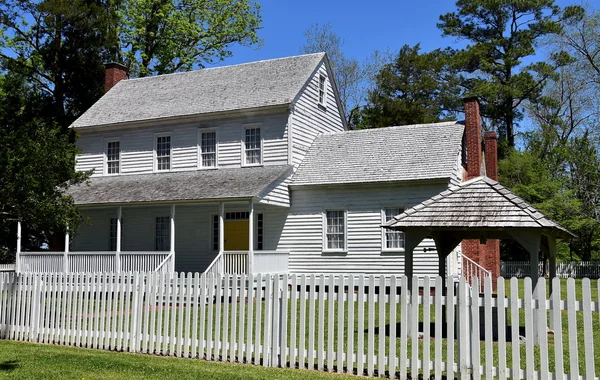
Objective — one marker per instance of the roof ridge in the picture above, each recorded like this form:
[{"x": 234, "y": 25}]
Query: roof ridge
[
  {"x": 411, "y": 126},
  {"x": 221, "y": 67}
]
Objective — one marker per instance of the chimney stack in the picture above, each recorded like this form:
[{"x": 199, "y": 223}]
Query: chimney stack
[
  {"x": 490, "y": 140},
  {"x": 113, "y": 74},
  {"x": 473, "y": 138}
]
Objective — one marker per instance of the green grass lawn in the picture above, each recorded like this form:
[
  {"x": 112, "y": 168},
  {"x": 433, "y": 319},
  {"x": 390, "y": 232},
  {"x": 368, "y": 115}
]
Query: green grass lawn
[{"x": 37, "y": 361}]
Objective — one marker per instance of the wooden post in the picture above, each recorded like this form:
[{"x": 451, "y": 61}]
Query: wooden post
[
  {"x": 66, "y": 252},
  {"x": 222, "y": 235},
  {"x": 18, "y": 254},
  {"x": 172, "y": 250},
  {"x": 251, "y": 238},
  {"x": 118, "y": 247}
]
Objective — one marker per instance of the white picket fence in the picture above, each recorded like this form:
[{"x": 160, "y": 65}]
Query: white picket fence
[
  {"x": 356, "y": 324},
  {"x": 574, "y": 269}
]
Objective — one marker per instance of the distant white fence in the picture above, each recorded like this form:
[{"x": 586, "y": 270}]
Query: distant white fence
[
  {"x": 353, "y": 324},
  {"x": 574, "y": 269},
  {"x": 94, "y": 261}
]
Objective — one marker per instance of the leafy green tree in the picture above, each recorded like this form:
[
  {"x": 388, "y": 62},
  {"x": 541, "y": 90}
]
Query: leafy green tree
[
  {"x": 415, "y": 88},
  {"x": 165, "y": 36},
  {"x": 502, "y": 36}
]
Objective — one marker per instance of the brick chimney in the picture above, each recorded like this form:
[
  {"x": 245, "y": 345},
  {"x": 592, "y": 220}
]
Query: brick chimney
[
  {"x": 490, "y": 140},
  {"x": 113, "y": 73},
  {"x": 473, "y": 138}
]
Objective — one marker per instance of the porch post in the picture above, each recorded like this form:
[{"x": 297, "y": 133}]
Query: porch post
[
  {"x": 66, "y": 252},
  {"x": 251, "y": 238},
  {"x": 118, "y": 247},
  {"x": 222, "y": 235},
  {"x": 18, "y": 254},
  {"x": 172, "y": 250}
]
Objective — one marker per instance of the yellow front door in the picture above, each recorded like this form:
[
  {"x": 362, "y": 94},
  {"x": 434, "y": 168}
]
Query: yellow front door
[{"x": 236, "y": 235}]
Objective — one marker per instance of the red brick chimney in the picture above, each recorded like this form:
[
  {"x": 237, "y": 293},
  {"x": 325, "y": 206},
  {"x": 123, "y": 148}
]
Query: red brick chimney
[
  {"x": 490, "y": 140},
  {"x": 473, "y": 138},
  {"x": 113, "y": 73}
]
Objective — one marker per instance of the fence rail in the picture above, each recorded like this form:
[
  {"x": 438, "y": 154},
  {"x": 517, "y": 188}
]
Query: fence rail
[
  {"x": 369, "y": 325},
  {"x": 574, "y": 269}
]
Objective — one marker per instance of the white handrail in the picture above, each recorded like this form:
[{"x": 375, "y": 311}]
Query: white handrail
[
  {"x": 214, "y": 266},
  {"x": 471, "y": 269}
]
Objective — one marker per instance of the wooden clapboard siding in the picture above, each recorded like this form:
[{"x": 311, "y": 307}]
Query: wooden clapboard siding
[
  {"x": 309, "y": 119},
  {"x": 137, "y": 144},
  {"x": 302, "y": 234}
]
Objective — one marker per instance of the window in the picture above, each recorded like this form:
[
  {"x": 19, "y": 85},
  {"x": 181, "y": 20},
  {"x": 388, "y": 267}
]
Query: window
[
  {"x": 163, "y": 153},
  {"x": 335, "y": 230},
  {"x": 215, "y": 233},
  {"x": 208, "y": 149},
  {"x": 259, "y": 232},
  {"x": 322, "y": 90},
  {"x": 113, "y": 234},
  {"x": 163, "y": 234},
  {"x": 113, "y": 155},
  {"x": 392, "y": 240},
  {"x": 252, "y": 147}
]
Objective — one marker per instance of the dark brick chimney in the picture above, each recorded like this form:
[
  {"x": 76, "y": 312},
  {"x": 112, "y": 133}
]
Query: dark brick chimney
[
  {"x": 114, "y": 72},
  {"x": 472, "y": 138},
  {"x": 490, "y": 140}
]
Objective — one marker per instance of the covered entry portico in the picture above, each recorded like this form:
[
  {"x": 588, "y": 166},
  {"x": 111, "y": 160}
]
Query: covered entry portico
[{"x": 478, "y": 209}]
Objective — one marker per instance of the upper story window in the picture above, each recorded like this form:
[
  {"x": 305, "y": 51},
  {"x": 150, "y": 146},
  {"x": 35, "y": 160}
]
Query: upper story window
[
  {"x": 163, "y": 153},
  {"x": 208, "y": 149},
  {"x": 113, "y": 157},
  {"x": 392, "y": 240},
  {"x": 322, "y": 90},
  {"x": 162, "y": 236},
  {"x": 335, "y": 230},
  {"x": 252, "y": 147}
]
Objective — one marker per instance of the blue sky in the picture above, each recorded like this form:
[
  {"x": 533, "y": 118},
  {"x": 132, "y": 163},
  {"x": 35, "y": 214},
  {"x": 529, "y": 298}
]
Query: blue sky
[{"x": 364, "y": 26}]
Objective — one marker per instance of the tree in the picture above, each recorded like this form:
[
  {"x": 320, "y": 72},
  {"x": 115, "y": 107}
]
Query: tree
[
  {"x": 352, "y": 77},
  {"x": 502, "y": 35},
  {"x": 415, "y": 88},
  {"x": 165, "y": 36}
]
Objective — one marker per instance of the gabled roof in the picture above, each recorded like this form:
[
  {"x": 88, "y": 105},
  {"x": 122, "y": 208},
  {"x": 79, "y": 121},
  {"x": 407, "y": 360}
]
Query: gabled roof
[
  {"x": 181, "y": 186},
  {"x": 412, "y": 152},
  {"x": 478, "y": 203},
  {"x": 245, "y": 86}
]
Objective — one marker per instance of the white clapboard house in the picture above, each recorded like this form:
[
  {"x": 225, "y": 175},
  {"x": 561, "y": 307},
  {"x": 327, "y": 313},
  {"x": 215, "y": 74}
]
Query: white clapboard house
[{"x": 251, "y": 168}]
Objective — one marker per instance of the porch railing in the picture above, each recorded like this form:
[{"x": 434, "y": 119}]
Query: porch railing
[
  {"x": 236, "y": 262},
  {"x": 470, "y": 269},
  {"x": 134, "y": 261}
]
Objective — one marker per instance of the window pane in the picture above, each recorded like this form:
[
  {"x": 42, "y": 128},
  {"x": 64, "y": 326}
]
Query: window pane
[
  {"x": 163, "y": 153},
  {"x": 113, "y": 151},
  {"x": 208, "y": 147},
  {"x": 393, "y": 239},
  {"x": 252, "y": 146},
  {"x": 163, "y": 233},
  {"x": 322, "y": 89},
  {"x": 335, "y": 229}
]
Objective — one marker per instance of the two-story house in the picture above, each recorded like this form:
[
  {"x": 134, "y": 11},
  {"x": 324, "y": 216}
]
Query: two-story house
[{"x": 251, "y": 168}]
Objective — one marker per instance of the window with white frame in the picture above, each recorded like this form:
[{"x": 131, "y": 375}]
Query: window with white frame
[
  {"x": 113, "y": 157},
  {"x": 113, "y": 234},
  {"x": 252, "y": 147},
  {"x": 322, "y": 90},
  {"x": 163, "y": 234},
  {"x": 335, "y": 230},
  {"x": 208, "y": 149},
  {"x": 392, "y": 240},
  {"x": 163, "y": 153}
]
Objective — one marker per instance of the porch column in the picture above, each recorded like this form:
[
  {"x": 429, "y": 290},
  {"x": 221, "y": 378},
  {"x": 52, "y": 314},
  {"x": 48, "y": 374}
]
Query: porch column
[
  {"x": 251, "y": 237},
  {"x": 172, "y": 250},
  {"x": 66, "y": 252},
  {"x": 118, "y": 247},
  {"x": 18, "y": 254},
  {"x": 222, "y": 235}
]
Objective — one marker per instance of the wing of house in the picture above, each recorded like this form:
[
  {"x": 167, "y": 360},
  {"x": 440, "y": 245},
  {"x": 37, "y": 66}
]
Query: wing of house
[{"x": 251, "y": 168}]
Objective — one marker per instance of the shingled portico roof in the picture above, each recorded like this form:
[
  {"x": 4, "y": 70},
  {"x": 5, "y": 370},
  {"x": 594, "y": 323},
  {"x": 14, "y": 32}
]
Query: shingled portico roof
[
  {"x": 220, "y": 89},
  {"x": 480, "y": 203},
  {"x": 235, "y": 183}
]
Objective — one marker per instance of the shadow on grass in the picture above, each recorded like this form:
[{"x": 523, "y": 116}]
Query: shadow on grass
[{"x": 9, "y": 365}]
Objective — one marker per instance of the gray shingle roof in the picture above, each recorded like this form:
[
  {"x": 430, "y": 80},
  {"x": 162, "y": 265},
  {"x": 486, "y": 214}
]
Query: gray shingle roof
[
  {"x": 257, "y": 84},
  {"x": 412, "y": 152},
  {"x": 478, "y": 203},
  {"x": 179, "y": 186}
]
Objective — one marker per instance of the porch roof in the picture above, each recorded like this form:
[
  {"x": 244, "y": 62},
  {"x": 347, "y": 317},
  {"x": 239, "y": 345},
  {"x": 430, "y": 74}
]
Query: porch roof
[
  {"x": 235, "y": 183},
  {"x": 478, "y": 204}
]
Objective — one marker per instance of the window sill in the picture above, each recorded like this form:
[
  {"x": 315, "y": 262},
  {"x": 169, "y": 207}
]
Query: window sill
[
  {"x": 208, "y": 168},
  {"x": 252, "y": 165},
  {"x": 335, "y": 252},
  {"x": 322, "y": 107},
  {"x": 392, "y": 251}
]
